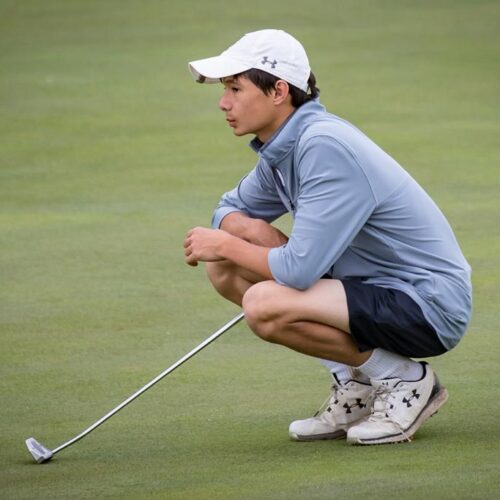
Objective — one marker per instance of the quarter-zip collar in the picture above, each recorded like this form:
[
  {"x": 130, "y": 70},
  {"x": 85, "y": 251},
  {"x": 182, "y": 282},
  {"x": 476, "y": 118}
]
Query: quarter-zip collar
[{"x": 283, "y": 140}]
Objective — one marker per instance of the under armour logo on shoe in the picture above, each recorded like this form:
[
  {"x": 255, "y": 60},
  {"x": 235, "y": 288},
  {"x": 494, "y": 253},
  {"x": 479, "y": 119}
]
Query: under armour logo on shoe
[
  {"x": 266, "y": 60},
  {"x": 412, "y": 396},
  {"x": 349, "y": 407}
]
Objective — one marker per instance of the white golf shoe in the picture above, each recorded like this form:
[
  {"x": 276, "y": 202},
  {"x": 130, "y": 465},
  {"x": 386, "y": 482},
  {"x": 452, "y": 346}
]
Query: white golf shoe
[
  {"x": 400, "y": 407},
  {"x": 347, "y": 404}
]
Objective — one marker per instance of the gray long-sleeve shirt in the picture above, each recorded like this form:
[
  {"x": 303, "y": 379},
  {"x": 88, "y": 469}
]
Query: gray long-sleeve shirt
[{"x": 357, "y": 214}]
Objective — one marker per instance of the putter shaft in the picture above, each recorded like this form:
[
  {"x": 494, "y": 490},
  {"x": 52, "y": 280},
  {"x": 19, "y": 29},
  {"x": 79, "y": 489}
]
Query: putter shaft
[{"x": 150, "y": 384}]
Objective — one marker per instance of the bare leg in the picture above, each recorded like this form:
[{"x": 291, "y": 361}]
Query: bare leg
[
  {"x": 313, "y": 322},
  {"x": 231, "y": 281}
]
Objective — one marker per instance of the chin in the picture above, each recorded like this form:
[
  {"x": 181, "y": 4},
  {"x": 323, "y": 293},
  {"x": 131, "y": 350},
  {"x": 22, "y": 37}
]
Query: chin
[{"x": 240, "y": 133}]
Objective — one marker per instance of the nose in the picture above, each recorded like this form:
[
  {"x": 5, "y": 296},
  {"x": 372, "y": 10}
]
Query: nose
[{"x": 224, "y": 103}]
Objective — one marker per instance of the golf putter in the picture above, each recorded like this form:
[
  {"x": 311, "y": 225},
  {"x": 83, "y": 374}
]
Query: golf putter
[{"x": 43, "y": 454}]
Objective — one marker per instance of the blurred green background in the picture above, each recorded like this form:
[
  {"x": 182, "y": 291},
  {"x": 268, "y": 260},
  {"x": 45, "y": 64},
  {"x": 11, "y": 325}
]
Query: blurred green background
[{"x": 109, "y": 153}]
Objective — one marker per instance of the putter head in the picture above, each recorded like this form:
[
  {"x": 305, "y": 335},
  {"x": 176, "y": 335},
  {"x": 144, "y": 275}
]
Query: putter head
[{"x": 39, "y": 452}]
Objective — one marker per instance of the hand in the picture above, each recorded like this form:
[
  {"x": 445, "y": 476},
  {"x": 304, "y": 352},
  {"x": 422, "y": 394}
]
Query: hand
[{"x": 202, "y": 244}]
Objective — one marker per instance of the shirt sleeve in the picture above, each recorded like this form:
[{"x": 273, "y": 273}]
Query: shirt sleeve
[
  {"x": 255, "y": 195},
  {"x": 335, "y": 200}
]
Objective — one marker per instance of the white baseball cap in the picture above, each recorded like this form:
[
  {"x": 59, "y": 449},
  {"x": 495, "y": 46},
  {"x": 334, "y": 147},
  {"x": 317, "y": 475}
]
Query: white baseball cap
[{"x": 273, "y": 51}]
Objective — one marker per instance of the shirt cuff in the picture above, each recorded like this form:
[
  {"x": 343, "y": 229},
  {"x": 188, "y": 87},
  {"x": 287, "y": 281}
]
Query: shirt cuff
[
  {"x": 274, "y": 261},
  {"x": 220, "y": 213}
]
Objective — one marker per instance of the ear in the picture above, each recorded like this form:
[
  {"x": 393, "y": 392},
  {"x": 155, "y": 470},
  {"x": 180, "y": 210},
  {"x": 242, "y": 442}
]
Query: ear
[{"x": 281, "y": 92}]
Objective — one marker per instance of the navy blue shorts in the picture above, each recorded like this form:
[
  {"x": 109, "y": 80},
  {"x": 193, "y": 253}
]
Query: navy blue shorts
[{"x": 389, "y": 319}]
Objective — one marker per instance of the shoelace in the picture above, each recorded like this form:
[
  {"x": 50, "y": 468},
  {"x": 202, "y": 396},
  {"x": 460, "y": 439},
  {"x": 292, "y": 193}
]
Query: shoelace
[
  {"x": 335, "y": 390},
  {"x": 381, "y": 409}
]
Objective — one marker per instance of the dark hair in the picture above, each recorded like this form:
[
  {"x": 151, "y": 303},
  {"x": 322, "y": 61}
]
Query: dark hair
[{"x": 266, "y": 82}]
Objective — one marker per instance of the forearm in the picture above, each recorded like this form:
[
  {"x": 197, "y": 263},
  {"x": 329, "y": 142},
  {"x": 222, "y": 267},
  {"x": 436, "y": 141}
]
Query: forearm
[
  {"x": 246, "y": 255},
  {"x": 212, "y": 245},
  {"x": 242, "y": 240},
  {"x": 256, "y": 231},
  {"x": 237, "y": 224}
]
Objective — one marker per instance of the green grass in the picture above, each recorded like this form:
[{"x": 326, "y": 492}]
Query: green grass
[{"x": 109, "y": 153}]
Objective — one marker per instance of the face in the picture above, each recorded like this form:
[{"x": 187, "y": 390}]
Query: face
[{"x": 248, "y": 110}]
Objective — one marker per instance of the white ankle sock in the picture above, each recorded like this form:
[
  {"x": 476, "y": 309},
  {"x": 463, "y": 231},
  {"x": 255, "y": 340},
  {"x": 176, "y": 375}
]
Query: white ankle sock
[
  {"x": 343, "y": 372},
  {"x": 384, "y": 364}
]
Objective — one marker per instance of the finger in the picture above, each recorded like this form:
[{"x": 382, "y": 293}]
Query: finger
[{"x": 191, "y": 261}]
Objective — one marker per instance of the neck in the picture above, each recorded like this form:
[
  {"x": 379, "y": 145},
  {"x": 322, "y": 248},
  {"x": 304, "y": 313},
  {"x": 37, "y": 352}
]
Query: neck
[{"x": 281, "y": 117}]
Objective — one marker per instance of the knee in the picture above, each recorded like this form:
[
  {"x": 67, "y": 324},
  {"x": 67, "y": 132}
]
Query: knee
[{"x": 260, "y": 314}]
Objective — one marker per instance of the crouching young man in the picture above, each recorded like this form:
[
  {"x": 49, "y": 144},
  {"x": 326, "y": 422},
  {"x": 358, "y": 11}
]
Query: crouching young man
[{"x": 371, "y": 275}]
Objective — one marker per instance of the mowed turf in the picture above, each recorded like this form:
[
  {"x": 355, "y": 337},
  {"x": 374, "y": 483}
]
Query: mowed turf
[{"x": 109, "y": 153}]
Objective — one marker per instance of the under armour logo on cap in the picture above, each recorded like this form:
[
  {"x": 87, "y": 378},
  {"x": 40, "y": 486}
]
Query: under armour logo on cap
[{"x": 266, "y": 60}]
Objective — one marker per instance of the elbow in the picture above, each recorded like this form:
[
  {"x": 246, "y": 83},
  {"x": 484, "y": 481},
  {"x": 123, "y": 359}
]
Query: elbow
[
  {"x": 290, "y": 270},
  {"x": 298, "y": 281}
]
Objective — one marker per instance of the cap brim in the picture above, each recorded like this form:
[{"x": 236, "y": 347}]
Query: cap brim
[{"x": 212, "y": 69}]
